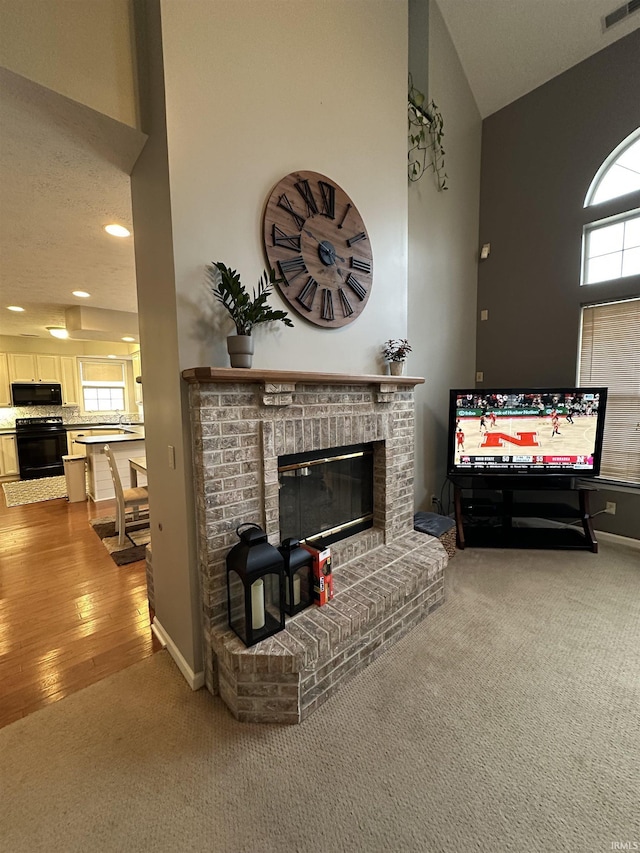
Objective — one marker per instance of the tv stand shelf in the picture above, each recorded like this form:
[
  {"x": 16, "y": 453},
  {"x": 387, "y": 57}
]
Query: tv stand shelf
[{"x": 503, "y": 515}]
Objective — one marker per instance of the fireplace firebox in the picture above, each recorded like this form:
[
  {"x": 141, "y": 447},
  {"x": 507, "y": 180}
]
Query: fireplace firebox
[{"x": 326, "y": 495}]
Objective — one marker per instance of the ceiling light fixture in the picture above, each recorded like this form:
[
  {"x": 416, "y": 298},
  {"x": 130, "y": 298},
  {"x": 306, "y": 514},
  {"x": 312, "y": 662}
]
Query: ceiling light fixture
[
  {"x": 129, "y": 339},
  {"x": 117, "y": 230},
  {"x": 14, "y": 308},
  {"x": 82, "y": 293},
  {"x": 57, "y": 332}
]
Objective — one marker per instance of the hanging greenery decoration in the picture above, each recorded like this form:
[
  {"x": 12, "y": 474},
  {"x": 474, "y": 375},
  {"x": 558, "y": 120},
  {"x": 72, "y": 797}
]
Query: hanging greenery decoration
[{"x": 426, "y": 132}]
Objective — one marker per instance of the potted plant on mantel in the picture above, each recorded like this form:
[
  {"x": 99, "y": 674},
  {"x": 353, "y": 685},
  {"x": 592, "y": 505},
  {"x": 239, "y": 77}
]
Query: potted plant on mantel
[
  {"x": 245, "y": 311},
  {"x": 396, "y": 352}
]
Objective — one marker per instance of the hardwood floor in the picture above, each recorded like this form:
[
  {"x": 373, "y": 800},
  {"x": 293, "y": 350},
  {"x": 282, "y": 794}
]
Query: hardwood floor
[{"x": 68, "y": 615}]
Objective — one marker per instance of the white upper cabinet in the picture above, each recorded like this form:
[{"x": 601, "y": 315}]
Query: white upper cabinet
[
  {"x": 68, "y": 376},
  {"x": 30, "y": 367},
  {"x": 5, "y": 387}
]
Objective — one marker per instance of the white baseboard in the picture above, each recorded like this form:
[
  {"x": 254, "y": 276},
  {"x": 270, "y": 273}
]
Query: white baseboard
[
  {"x": 195, "y": 680},
  {"x": 614, "y": 537}
]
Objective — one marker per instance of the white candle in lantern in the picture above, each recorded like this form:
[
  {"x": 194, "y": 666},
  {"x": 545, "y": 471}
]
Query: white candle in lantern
[
  {"x": 257, "y": 604},
  {"x": 296, "y": 589}
]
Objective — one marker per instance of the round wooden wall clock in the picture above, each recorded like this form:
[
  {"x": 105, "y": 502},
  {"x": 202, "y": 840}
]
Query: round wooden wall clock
[{"x": 317, "y": 242}]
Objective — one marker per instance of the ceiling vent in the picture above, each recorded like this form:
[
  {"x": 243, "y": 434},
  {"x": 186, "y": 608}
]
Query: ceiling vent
[{"x": 621, "y": 13}]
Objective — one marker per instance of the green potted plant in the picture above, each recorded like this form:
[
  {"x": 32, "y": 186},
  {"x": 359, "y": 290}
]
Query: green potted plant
[
  {"x": 246, "y": 311},
  {"x": 396, "y": 352}
]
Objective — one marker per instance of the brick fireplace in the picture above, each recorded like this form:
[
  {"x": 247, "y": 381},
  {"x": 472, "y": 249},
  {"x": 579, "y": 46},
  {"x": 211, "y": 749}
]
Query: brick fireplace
[{"x": 387, "y": 578}]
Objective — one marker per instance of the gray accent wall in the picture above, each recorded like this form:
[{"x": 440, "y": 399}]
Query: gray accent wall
[{"x": 539, "y": 156}]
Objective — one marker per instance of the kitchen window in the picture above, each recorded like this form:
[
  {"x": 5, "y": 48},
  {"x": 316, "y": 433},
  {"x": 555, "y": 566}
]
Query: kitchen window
[{"x": 103, "y": 385}]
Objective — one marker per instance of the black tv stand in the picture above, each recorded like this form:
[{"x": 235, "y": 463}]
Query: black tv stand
[{"x": 496, "y": 512}]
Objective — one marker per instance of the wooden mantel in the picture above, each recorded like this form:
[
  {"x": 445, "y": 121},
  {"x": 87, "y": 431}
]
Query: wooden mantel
[{"x": 257, "y": 375}]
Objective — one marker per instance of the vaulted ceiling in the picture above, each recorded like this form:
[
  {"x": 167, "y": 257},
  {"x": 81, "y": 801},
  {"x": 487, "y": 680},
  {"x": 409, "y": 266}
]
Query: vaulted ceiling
[
  {"x": 64, "y": 169},
  {"x": 510, "y": 47}
]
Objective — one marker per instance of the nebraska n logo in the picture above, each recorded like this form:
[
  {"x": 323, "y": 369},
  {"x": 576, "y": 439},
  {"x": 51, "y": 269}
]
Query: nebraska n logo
[{"x": 521, "y": 439}]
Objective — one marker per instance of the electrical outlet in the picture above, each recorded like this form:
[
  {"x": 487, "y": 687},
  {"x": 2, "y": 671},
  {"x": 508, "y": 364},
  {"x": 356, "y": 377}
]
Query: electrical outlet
[
  {"x": 610, "y": 508},
  {"x": 484, "y": 314},
  {"x": 479, "y": 376}
]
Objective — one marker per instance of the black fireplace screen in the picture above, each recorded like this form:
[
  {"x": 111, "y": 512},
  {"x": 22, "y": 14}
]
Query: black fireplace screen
[{"x": 326, "y": 495}]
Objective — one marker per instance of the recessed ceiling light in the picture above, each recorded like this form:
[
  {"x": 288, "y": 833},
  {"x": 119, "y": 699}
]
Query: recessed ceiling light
[
  {"x": 129, "y": 339},
  {"x": 14, "y": 308},
  {"x": 117, "y": 230},
  {"x": 57, "y": 332},
  {"x": 82, "y": 293}
]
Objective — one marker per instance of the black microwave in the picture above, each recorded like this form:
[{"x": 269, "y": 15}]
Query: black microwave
[{"x": 36, "y": 393}]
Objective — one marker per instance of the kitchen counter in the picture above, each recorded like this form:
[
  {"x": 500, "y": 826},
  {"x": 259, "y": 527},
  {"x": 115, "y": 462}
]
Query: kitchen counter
[
  {"x": 110, "y": 439},
  {"x": 133, "y": 425},
  {"x": 103, "y": 425},
  {"x": 100, "y": 484}
]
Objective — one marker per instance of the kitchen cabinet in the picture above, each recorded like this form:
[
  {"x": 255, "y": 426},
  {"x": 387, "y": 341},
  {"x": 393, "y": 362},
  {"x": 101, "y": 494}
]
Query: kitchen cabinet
[
  {"x": 74, "y": 448},
  {"x": 8, "y": 456},
  {"x": 5, "y": 387},
  {"x": 32, "y": 367},
  {"x": 68, "y": 376},
  {"x": 136, "y": 366}
]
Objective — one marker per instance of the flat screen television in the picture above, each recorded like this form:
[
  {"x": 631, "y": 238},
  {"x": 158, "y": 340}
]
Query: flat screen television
[{"x": 526, "y": 432}]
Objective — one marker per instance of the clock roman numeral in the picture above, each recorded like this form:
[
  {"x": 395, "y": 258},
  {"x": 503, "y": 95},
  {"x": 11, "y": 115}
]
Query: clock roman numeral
[
  {"x": 292, "y": 268},
  {"x": 286, "y": 241},
  {"x": 347, "y": 310},
  {"x": 285, "y": 204},
  {"x": 328, "y": 193},
  {"x": 308, "y": 294},
  {"x": 307, "y": 194},
  {"x": 327, "y": 305},
  {"x": 359, "y": 264},
  {"x": 344, "y": 216},
  {"x": 355, "y": 285},
  {"x": 356, "y": 238}
]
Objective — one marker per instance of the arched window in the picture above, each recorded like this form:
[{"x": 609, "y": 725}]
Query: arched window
[
  {"x": 619, "y": 174},
  {"x": 611, "y": 247}
]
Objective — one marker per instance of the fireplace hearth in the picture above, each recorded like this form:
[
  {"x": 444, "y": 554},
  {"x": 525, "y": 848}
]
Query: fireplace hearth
[{"x": 248, "y": 427}]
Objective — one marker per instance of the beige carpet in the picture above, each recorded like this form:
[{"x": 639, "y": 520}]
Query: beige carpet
[{"x": 508, "y": 721}]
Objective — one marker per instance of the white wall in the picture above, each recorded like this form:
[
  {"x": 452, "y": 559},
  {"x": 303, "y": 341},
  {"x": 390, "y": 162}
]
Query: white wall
[
  {"x": 443, "y": 250},
  {"x": 256, "y": 90},
  {"x": 79, "y": 48}
]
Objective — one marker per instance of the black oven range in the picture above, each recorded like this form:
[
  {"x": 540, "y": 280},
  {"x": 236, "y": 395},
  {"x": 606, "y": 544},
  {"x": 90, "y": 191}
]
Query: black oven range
[{"x": 41, "y": 442}]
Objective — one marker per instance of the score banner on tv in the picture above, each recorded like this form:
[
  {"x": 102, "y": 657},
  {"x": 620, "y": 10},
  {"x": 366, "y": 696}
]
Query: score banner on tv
[{"x": 510, "y": 461}]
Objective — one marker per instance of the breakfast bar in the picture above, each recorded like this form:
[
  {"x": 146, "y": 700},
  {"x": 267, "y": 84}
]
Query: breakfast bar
[{"x": 99, "y": 482}]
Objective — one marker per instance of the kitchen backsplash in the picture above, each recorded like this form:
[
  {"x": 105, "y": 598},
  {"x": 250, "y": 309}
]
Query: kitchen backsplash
[{"x": 70, "y": 415}]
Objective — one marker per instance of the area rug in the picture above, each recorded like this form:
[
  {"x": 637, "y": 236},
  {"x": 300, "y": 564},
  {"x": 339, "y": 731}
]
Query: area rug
[
  {"x": 137, "y": 538},
  {"x": 22, "y": 492}
]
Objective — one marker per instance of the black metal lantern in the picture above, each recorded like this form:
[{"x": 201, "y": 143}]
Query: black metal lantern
[
  {"x": 298, "y": 576},
  {"x": 255, "y": 586}
]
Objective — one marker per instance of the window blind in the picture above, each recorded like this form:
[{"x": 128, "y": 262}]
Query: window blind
[
  {"x": 109, "y": 372},
  {"x": 610, "y": 356}
]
